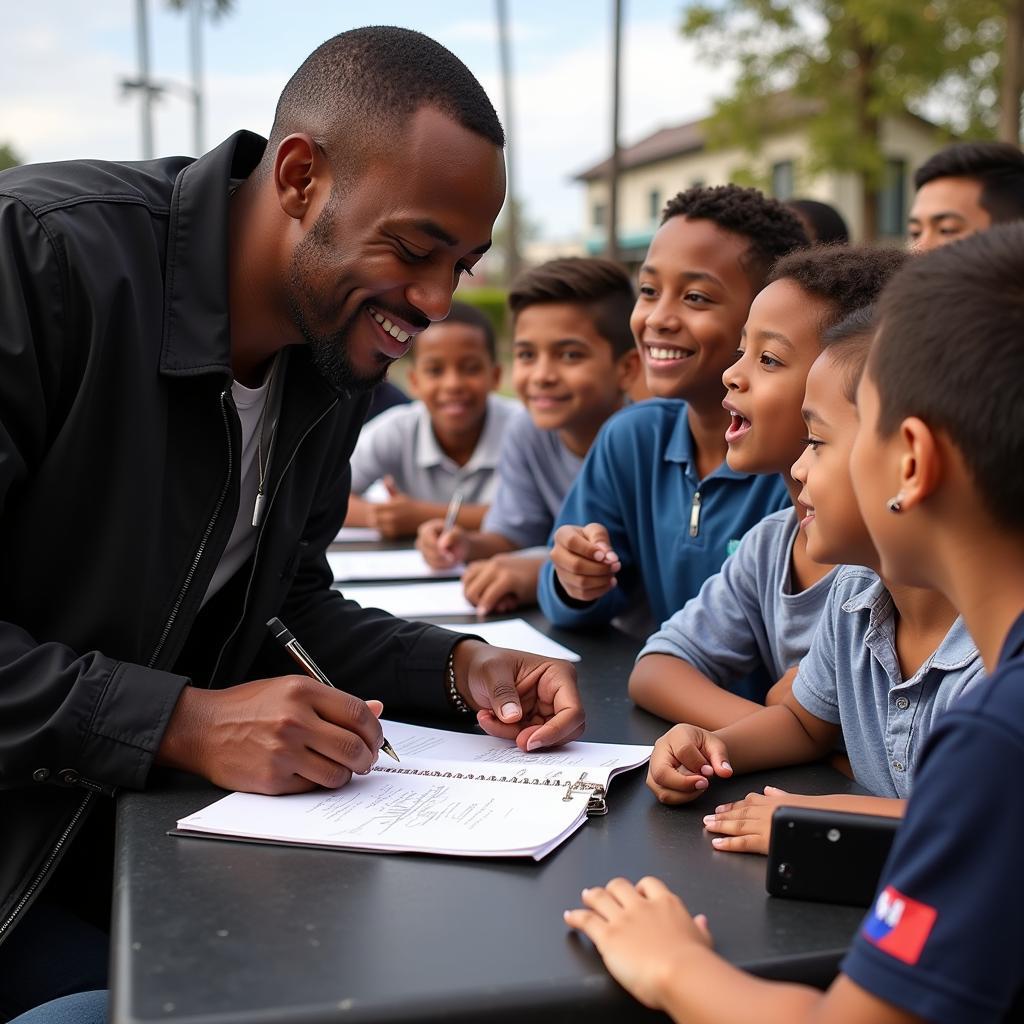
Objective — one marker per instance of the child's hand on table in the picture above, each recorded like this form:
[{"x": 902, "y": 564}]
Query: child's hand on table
[
  {"x": 442, "y": 550},
  {"x": 643, "y": 932},
  {"x": 501, "y": 583},
  {"x": 684, "y": 760},
  {"x": 745, "y": 826},
  {"x": 584, "y": 561}
]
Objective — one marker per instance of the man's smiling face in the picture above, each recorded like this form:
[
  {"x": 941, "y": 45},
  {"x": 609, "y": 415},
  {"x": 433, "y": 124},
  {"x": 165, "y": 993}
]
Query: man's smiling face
[{"x": 386, "y": 250}]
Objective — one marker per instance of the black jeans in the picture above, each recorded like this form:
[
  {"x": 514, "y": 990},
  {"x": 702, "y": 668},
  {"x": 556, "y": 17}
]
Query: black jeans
[{"x": 62, "y": 945}]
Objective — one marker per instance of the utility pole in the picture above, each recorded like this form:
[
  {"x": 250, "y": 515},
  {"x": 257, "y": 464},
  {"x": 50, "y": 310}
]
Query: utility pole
[
  {"x": 196, "y": 60},
  {"x": 512, "y": 260},
  {"x": 612, "y": 247},
  {"x": 144, "y": 85}
]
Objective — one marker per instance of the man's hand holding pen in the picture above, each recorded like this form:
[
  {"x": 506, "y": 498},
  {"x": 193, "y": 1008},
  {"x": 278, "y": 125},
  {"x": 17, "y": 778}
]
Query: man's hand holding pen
[{"x": 287, "y": 734}]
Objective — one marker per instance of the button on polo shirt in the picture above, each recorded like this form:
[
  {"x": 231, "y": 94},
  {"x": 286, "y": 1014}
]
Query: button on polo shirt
[{"x": 671, "y": 529}]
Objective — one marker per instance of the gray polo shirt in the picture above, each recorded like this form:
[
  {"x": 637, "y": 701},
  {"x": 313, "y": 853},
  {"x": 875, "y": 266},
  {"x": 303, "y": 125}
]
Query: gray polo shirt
[
  {"x": 747, "y": 617},
  {"x": 401, "y": 442},
  {"x": 534, "y": 476},
  {"x": 851, "y": 677}
]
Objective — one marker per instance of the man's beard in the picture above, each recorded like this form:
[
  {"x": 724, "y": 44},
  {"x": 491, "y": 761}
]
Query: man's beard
[{"x": 328, "y": 351}]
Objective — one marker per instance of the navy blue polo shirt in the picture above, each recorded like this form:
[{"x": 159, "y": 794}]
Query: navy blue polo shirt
[
  {"x": 945, "y": 939},
  {"x": 671, "y": 529}
]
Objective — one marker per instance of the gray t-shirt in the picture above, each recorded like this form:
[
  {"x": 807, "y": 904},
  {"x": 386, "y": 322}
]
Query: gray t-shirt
[
  {"x": 746, "y": 617},
  {"x": 535, "y": 473},
  {"x": 400, "y": 442},
  {"x": 851, "y": 677}
]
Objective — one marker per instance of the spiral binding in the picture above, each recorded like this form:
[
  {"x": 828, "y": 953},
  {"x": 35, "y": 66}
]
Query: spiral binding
[{"x": 594, "y": 791}]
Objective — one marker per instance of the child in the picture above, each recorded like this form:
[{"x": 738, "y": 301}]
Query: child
[
  {"x": 759, "y": 613},
  {"x": 447, "y": 441},
  {"x": 660, "y": 506},
  {"x": 573, "y": 363},
  {"x": 941, "y": 430},
  {"x": 884, "y": 662}
]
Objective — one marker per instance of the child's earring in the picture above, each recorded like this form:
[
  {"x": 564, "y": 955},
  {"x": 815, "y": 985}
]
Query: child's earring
[{"x": 895, "y": 505}]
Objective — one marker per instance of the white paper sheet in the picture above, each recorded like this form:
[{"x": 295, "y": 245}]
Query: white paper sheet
[
  {"x": 519, "y": 805},
  {"x": 405, "y": 564},
  {"x": 404, "y": 813},
  {"x": 519, "y": 636},
  {"x": 352, "y": 534},
  {"x": 415, "y": 600}
]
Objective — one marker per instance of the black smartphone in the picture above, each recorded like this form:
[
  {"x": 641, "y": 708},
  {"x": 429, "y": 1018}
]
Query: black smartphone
[{"x": 828, "y": 856}]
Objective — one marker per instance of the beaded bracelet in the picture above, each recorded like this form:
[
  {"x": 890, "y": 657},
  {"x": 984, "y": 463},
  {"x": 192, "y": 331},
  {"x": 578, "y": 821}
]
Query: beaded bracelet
[{"x": 455, "y": 698}]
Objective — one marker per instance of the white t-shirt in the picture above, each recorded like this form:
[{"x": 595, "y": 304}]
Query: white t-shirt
[{"x": 250, "y": 403}]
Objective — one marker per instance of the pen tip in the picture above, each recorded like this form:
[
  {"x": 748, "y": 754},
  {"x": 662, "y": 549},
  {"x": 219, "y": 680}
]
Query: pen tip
[{"x": 390, "y": 751}]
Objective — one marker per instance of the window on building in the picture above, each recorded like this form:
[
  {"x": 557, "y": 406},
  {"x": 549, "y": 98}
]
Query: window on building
[
  {"x": 598, "y": 215},
  {"x": 783, "y": 179},
  {"x": 654, "y": 204},
  {"x": 892, "y": 199}
]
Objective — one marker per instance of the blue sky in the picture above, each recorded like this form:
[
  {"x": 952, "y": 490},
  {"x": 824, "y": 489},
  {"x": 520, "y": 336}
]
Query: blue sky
[{"x": 61, "y": 62}]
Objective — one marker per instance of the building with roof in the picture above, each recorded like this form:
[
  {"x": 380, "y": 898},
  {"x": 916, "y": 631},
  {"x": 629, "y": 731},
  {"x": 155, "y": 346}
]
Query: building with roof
[{"x": 672, "y": 159}]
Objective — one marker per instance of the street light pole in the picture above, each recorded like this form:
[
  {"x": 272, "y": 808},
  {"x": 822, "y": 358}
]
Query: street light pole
[
  {"x": 196, "y": 56},
  {"x": 511, "y": 207},
  {"x": 142, "y": 30},
  {"x": 613, "y": 164}
]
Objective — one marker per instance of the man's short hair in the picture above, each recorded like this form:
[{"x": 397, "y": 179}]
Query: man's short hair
[
  {"x": 361, "y": 86},
  {"x": 600, "y": 287},
  {"x": 950, "y": 350},
  {"x": 848, "y": 344},
  {"x": 464, "y": 313},
  {"x": 846, "y": 277},
  {"x": 997, "y": 166},
  {"x": 770, "y": 229}
]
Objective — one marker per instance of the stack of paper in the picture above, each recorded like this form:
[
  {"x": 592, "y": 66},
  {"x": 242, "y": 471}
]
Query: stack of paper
[{"x": 386, "y": 565}]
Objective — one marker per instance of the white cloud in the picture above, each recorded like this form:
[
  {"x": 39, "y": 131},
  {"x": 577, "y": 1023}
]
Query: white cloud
[{"x": 60, "y": 98}]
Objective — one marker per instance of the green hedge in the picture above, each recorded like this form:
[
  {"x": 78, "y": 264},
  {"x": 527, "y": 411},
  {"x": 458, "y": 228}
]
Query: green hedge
[{"x": 492, "y": 302}]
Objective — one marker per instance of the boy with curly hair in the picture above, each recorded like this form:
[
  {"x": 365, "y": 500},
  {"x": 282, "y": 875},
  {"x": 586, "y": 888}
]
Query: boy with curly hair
[{"x": 662, "y": 508}]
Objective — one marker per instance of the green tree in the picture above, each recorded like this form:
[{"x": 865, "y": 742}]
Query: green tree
[
  {"x": 853, "y": 62},
  {"x": 8, "y": 157}
]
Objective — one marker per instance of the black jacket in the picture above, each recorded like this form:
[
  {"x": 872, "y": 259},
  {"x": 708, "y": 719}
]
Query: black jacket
[{"x": 119, "y": 487}]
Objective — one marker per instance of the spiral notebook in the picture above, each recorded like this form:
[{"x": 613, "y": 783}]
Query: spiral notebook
[{"x": 452, "y": 794}]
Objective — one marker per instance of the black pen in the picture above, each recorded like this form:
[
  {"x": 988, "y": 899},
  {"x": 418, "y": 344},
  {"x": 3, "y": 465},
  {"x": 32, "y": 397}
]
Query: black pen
[{"x": 282, "y": 634}]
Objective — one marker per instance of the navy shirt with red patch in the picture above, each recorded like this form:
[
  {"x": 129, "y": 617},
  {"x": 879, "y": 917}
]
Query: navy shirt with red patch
[{"x": 945, "y": 938}]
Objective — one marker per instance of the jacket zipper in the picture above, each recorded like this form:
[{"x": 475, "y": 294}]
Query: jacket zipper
[
  {"x": 26, "y": 896},
  {"x": 259, "y": 539},
  {"x": 695, "y": 514},
  {"x": 202, "y": 544}
]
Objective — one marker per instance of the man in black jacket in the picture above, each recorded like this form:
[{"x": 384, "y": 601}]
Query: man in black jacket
[{"x": 186, "y": 354}]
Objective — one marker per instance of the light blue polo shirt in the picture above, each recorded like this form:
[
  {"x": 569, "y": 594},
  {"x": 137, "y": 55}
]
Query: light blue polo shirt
[
  {"x": 851, "y": 677},
  {"x": 747, "y": 617},
  {"x": 671, "y": 529}
]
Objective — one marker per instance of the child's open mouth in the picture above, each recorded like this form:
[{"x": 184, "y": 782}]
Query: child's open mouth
[{"x": 738, "y": 427}]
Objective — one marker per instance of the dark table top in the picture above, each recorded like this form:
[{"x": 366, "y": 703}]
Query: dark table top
[{"x": 226, "y": 931}]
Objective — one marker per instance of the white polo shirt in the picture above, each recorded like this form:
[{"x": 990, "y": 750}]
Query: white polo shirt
[{"x": 400, "y": 442}]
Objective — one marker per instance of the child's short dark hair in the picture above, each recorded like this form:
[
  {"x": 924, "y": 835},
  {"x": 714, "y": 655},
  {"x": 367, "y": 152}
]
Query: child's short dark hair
[
  {"x": 601, "y": 287},
  {"x": 848, "y": 343},
  {"x": 950, "y": 349},
  {"x": 464, "y": 313},
  {"x": 771, "y": 229},
  {"x": 846, "y": 277},
  {"x": 997, "y": 166}
]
